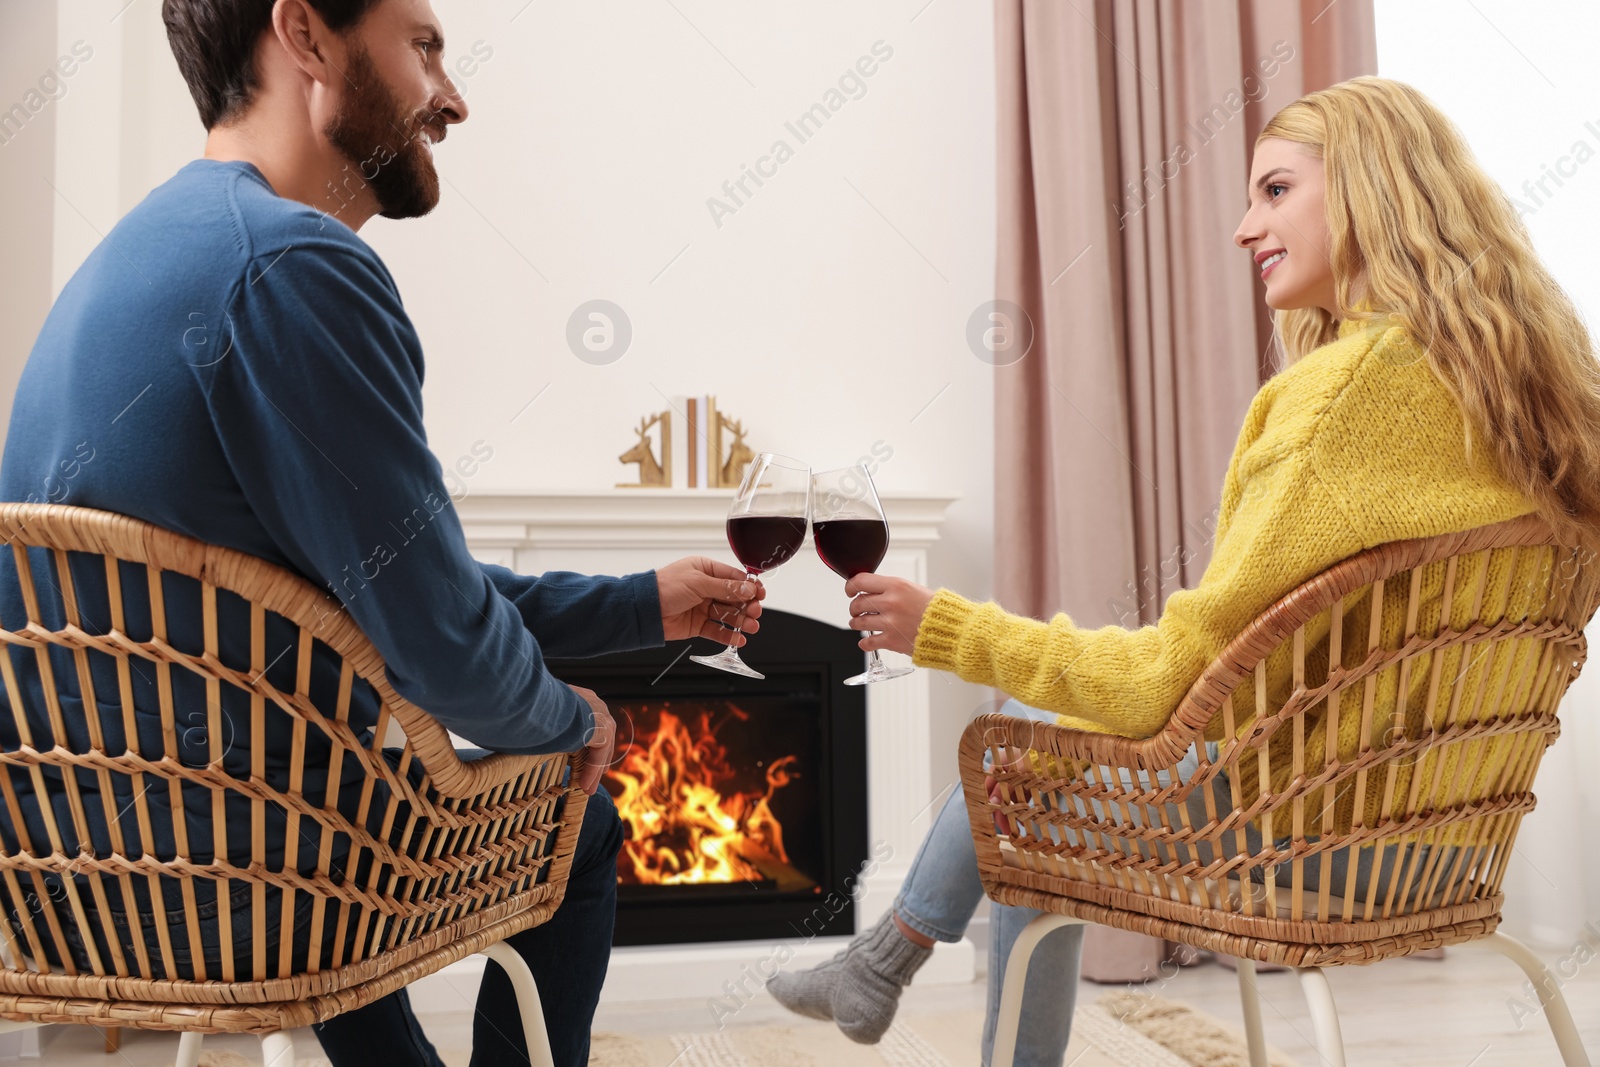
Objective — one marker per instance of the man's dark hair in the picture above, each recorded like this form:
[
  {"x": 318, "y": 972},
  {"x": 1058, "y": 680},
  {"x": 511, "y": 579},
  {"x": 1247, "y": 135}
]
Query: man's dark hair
[{"x": 214, "y": 42}]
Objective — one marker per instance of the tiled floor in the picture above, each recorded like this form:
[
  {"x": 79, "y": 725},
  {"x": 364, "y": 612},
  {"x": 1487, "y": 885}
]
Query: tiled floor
[{"x": 1468, "y": 1010}]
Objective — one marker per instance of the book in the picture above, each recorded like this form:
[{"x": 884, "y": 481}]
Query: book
[{"x": 697, "y": 443}]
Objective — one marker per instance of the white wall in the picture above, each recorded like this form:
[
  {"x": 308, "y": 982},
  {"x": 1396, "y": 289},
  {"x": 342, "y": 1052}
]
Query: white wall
[
  {"x": 828, "y": 311},
  {"x": 29, "y": 92},
  {"x": 1519, "y": 78}
]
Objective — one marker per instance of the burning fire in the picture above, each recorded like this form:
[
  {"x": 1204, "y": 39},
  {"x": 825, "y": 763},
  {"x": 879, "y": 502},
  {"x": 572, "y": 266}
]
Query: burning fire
[{"x": 688, "y": 824}]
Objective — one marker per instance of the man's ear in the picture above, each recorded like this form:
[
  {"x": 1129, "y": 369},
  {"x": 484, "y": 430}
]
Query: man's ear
[{"x": 305, "y": 40}]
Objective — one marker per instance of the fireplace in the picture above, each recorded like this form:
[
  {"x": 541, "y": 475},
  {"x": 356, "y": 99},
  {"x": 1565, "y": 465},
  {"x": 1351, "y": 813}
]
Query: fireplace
[
  {"x": 744, "y": 802},
  {"x": 621, "y": 531}
]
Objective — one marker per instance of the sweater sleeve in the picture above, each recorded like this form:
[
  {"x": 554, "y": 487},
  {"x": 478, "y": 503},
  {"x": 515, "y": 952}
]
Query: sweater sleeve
[
  {"x": 576, "y": 615},
  {"x": 1279, "y": 526},
  {"x": 318, "y": 406}
]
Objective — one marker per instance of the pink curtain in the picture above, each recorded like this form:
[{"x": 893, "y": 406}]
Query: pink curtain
[
  {"x": 1125, "y": 132},
  {"x": 1125, "y": 129}
]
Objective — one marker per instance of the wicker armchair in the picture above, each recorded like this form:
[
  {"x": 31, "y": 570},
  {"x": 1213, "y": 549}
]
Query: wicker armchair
[
  {"x": 1341, "y": 815},
  {"x": 395, "y": 862}
]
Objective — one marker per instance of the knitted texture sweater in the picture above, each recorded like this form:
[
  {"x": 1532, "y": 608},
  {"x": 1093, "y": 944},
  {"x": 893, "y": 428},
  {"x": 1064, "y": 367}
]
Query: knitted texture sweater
[{"x": 1357, "y": 444}]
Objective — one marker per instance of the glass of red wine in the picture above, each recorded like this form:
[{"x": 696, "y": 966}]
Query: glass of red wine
[
  {"x": 852, "y": 536},
  {"x": 766, "y": 526}
]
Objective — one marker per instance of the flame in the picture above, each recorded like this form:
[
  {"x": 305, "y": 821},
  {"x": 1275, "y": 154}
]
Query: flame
[{"x": 688, "y": 825}]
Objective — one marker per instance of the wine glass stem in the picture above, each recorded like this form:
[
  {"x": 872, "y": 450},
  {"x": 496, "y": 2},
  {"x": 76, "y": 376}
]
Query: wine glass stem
[
  {"x": 874, "y": 663},
  {"x": 749, "y": 576}
]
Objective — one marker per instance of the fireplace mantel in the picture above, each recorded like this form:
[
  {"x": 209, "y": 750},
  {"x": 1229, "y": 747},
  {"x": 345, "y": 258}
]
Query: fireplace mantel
[
  {"x": 621, "y": 531},
  {"x": 651, "y": 518}
]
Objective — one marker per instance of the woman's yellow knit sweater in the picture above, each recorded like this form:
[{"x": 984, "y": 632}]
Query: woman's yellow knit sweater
[{"x": 1357, "y": 444}]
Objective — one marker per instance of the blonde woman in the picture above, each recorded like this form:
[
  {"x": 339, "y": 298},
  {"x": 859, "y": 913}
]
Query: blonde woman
[{"x": 1437, "y": 380}]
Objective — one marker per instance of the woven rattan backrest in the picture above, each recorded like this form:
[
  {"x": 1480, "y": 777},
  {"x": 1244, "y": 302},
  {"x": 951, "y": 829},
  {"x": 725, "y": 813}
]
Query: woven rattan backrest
[
  {"x": 217, "y": 805},
  {"x": 1390, "y": 784}
]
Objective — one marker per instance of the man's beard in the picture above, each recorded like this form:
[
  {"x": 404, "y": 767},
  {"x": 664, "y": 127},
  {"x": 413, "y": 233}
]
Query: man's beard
[{"x": 379, "y": 136}]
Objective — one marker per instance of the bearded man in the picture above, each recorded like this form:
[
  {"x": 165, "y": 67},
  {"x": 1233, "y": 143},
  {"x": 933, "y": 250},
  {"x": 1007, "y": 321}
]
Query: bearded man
[{"x": 233, "y": 363}]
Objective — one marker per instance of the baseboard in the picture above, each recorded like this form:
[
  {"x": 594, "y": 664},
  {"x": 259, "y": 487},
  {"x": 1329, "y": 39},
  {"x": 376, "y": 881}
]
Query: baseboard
[{"x": 733, "y": 971}]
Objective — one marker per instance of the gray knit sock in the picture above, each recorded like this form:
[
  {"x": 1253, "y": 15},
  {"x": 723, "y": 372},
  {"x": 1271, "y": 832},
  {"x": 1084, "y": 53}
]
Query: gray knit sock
[
  {"x": 877, "y": 967},
  {"x": 860, "y": 987},
  {"x": 809, "y": 993}
]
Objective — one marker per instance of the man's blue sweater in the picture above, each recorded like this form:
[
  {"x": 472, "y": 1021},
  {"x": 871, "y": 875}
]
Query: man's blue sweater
[{"x": 235, "y": 366}]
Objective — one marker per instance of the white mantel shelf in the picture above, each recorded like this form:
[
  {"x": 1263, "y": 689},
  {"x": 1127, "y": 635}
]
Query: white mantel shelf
[
  {"x": 657, "y": 518},
  {"x": 622, "y": 531}
]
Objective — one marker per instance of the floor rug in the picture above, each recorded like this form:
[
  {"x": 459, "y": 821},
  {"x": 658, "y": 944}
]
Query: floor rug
[
  {"x": 1122, "y": 1029},
  {"x": 1191, "y": 1036}
]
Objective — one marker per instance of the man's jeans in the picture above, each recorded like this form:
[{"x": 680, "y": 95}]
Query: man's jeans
[{"x": 568, "y": 955}]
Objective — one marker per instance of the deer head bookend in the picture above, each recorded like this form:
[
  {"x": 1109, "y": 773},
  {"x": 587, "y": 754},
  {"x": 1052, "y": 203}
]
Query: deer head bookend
[
  {"x": 738, "y": 452},
  {"x": 652, "y": 474}
]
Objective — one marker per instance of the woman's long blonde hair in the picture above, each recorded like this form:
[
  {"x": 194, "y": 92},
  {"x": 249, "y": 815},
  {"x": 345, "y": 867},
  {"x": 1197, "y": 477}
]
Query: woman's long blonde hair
[{"x": 1423, "y": 238}]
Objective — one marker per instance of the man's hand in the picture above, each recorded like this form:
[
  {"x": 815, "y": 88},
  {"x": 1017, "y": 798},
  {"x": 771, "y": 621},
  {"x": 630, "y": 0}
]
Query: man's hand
[
  {"x": 600, "y": 742},
  {"x": 703, "y": 598},
  {"x": 892, "y": 606}
]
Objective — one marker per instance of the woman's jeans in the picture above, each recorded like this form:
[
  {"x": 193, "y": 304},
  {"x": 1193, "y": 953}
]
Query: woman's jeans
[
  {"x": 942, "y": 892},
  {"x": 938, "y": 899}
]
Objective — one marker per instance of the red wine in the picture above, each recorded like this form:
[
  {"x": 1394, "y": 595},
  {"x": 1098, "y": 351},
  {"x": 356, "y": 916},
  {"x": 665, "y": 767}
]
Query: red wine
[
  {"x": 851, "y": 546},
  {"x": 763, "y": 541}
]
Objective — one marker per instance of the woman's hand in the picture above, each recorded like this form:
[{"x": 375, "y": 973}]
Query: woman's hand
[
  {"x": 1009, "y": 759},
  {"x": 701, "y": 597},
  {"x": 892, "y": 606}
]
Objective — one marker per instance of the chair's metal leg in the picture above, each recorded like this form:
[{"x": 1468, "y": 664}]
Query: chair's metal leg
[
  {"x": 1324, "y": 1016},
  {"x": 1005, "y": 1031},
  {"x": 532, "y": 1012},
  {"x": 189, "y": 1049},
  {"x": 1250, "y": 1002},
  {"x": 1550, "y": 998},
  {"x": 277, "y": 1050}
]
